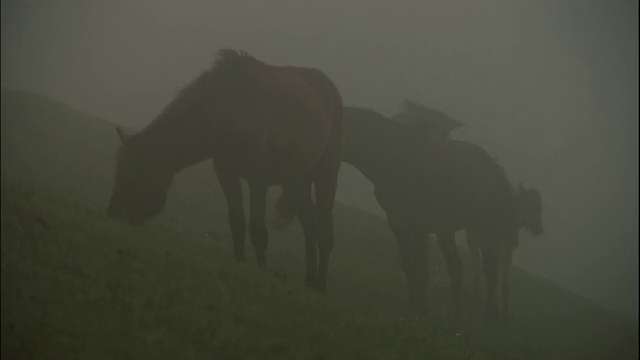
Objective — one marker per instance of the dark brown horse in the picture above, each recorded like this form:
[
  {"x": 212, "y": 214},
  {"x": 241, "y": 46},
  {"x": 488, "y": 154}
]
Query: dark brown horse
[
  {"x": 269, "y": 125},
  {"x": 435, "y": 185}
]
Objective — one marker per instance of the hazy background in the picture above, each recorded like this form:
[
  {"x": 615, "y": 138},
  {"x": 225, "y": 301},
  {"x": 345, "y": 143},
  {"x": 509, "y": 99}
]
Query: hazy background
[{"x": 550, "y": 88}]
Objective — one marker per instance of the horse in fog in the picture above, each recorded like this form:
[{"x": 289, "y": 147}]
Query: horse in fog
[
  {"x": 433, "y": 123},
  {"x": 427, "y": 183},
  {"x": 269, "y": 125}
]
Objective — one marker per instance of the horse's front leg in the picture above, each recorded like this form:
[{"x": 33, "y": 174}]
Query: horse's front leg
[
  {"x": 230, "y": 183},
  {"x": 257, "y": 221},
  {"x": 412, "y": 246},
  {"x": 447, "y": 244},
  {"x": 490, "y": 257}
]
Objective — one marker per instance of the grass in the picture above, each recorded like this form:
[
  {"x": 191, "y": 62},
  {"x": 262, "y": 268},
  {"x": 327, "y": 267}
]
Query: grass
[{"x": 75, "y": 285}]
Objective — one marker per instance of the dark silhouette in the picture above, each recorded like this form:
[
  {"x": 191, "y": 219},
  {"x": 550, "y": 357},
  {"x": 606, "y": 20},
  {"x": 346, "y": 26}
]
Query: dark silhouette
[
  {"x": 269, "y": 125},
  {"x": 433, "y": 123},
  {"x": 431, "y": 184}
]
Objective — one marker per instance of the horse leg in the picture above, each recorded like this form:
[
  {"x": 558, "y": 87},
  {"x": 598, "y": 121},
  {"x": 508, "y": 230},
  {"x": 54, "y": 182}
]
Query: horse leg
[
  {"x": 490, "y": 258},
  {"x": 325, "y": 191},
  {"x": 413, "y": 255},
  {"x": 306, "y": 211},
  {"x": 474, "y": 252},
  {"x": 230, "y": 183},
  {"x": 447, "y": 244},
  {"x": 285, "y": 208},
  {"x": 505, "y": 269},
  {"x": 257, "y": 221}
]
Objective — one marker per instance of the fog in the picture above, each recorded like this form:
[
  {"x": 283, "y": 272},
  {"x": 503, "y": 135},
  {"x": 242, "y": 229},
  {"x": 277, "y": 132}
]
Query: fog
[{"x": 550, "y": 88}]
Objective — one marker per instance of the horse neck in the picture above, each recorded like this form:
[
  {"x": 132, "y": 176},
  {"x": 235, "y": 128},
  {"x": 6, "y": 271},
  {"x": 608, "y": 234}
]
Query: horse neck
[
  {"x": 375, "y": 166},
  {"x": 174, "y": 145}
]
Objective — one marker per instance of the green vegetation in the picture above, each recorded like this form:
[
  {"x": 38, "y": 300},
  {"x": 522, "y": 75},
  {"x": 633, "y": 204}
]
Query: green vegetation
[{"x": 75, "y": 283}]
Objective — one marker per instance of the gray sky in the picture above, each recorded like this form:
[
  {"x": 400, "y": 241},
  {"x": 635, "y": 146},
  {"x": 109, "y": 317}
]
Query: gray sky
[{"x": 548, "y": 87}]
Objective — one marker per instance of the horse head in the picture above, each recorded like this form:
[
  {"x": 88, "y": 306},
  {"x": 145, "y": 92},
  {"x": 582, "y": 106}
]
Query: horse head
[{"x": 139, "y": 190}]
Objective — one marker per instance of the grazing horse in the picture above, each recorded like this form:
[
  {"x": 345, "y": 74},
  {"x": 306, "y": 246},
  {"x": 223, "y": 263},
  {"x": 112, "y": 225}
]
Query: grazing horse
[
  {"x": 434, "y": 185},
  {"x": 266, "y": 124}
]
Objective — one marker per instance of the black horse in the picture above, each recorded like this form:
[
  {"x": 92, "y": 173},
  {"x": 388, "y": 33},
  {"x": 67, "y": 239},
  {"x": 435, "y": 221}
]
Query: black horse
[
  {"x": 431, "y": 184},
  {"x": 269, "y": 125}
]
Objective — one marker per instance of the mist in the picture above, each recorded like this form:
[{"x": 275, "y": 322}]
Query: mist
[{"x": 550, "y": 88}]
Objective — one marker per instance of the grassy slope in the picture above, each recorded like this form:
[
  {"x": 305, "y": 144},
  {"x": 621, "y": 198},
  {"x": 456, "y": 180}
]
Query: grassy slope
[
  {"x": 75, "y": 285},
  {"x": 548, "y": 321}
]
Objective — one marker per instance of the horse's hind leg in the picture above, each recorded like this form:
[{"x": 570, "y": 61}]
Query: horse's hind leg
[
  {"x": 230, "y": 183},
  {"x": 474, "y": 251},
  {"x": 505, "y": 270},
  {"x": 325, "y": 189},
  {"x": 306, "y": 211},
  {"x": 447, "y": 244},
  {"x": 257, "y": 221},
  {"x": 413, "y": 254}
]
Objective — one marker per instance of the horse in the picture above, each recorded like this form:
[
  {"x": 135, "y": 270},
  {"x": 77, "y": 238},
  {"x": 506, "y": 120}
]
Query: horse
[
  {"x": 434, "y": 185},
  {"x": 269, "y": 125},
  {"x": 433, "y": 123}
]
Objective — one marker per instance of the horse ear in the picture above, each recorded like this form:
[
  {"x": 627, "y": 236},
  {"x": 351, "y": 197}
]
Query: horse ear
[{"x": 123, "y": 137}]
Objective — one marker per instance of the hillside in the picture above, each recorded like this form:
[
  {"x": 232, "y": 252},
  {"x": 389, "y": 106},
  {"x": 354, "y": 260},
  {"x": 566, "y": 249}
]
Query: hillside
[
  {"x": 48, "y": 145},
  {"x": 75, "y": 285}
]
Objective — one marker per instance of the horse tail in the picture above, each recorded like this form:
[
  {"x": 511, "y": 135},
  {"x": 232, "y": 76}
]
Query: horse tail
[{"x": 285, "y": 210}]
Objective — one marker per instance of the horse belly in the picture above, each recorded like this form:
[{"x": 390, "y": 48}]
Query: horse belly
[
  {"x": 281, "y": 163},
  {"x": 435, "y": 211},
  {"x": 294, "y": 159}
]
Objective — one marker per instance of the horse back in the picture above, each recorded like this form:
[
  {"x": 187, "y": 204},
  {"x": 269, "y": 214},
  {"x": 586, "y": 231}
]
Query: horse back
[
  {"x": 309, "y": 90},
  {"x": 303, "y": 113}
]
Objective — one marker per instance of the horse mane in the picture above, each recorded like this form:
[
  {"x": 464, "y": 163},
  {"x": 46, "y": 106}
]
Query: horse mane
[
  {"x": 416, "y": 114},
  {"x": 228, "y": 62},
  {"x": 227, "y": 66},
  {"x": 231, "y": 57}
]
